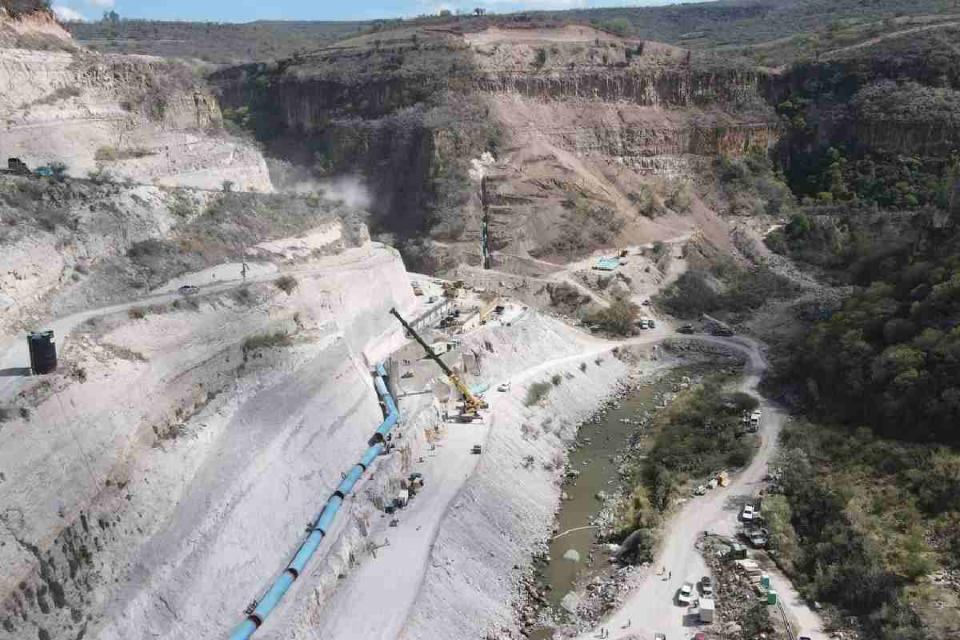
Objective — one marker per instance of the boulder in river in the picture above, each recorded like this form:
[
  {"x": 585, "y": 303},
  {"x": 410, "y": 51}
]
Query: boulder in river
[{"x": 570, "y": 602}]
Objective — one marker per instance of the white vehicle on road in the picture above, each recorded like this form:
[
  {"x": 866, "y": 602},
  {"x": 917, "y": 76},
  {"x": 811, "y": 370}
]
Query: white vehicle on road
[
  {"x": 503, "y": 387},
  {"x": 685, "y": 594},
  {"x": 747, "y": 514},
  {"x": 706, "y": 587}
]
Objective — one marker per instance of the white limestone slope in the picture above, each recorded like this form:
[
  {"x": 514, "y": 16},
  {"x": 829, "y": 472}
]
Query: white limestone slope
[{"x": 159, "y": 495}]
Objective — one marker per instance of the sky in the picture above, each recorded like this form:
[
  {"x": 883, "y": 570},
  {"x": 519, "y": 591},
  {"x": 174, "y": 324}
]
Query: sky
[{"x": 247, "y": 10}]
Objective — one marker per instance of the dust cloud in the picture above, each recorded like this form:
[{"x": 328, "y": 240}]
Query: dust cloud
[{"x": 349, "y": 190}]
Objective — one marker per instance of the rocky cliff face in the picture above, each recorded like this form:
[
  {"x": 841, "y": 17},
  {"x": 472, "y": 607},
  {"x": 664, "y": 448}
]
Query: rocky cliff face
[
  {"x": 577, "y": 113},
  {"x": 668, "y": 88},
  {"x": 129, "y": 117}
]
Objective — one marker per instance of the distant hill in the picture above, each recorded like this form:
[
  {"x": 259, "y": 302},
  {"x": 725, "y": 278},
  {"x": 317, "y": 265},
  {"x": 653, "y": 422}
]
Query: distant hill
[
  {"x": 742, "y": 22},
  {"x": 725, "y": 24},
  {"x": 222, "y": 43}
]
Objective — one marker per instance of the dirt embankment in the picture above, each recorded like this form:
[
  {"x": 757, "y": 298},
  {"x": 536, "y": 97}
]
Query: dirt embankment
[
  {"x": 135, "y": 118},
  {"x": 75, "y": 245}
]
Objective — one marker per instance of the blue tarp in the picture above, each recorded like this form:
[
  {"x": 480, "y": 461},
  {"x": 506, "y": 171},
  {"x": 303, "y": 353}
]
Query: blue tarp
[{"x": 607, "y": 264}]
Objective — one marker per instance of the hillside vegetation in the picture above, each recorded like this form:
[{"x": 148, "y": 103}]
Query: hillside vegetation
[
  {"x": 863, "y": 523},
  {"x": 774, "y": 31},
  {"x": 214, "y": 42}
]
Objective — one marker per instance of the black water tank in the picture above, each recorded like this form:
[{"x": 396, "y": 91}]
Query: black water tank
[{"x": 43, "y": 352}]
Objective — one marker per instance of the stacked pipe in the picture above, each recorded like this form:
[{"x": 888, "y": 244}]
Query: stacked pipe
[{"x": 324, "y": 521}]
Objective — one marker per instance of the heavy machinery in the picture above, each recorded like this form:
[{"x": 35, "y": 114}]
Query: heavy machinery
[{"x": 471, "y": 403}]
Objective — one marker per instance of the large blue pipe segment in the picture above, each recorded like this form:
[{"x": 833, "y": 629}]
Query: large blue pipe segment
[
  {"x": 371, "y": 455},
  {"x": 346, "y": 485},
  {"x": 324, "y": 520}
]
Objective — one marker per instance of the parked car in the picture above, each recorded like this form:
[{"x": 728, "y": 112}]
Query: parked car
[
  {"x": 687, "y": 328},
  {"x": 503, "y": 387},
  {"x": 706, "y": 586},
  {"x": 187, "y": 290},
  {"x": 747, "y": 513},
  {"x": 758, "y": 539},
  {"x": 685, "y": 594}
]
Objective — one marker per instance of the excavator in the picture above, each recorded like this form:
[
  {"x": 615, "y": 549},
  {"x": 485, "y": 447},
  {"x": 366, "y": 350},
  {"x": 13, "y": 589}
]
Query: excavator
[{"x": 471, "y": 403}]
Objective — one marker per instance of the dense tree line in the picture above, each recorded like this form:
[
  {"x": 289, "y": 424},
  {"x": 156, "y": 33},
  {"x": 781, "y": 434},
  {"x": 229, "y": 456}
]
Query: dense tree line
[{"x": 890, "y": 357}]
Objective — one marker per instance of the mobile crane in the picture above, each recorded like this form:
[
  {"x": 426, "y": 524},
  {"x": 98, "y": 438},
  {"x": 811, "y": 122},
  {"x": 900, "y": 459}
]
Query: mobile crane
[{"x": 471, "y": 403}]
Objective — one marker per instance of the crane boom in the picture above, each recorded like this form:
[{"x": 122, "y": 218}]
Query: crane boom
[{"x": 471, "y": 403}]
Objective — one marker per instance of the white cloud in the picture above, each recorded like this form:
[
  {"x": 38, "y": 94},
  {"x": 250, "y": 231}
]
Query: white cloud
[
  {"x": 66, "y": 14},
  {"x": 102, "y": 4}
]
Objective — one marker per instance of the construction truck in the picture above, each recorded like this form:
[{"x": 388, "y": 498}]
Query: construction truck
[{"x": 471, "y": 403}]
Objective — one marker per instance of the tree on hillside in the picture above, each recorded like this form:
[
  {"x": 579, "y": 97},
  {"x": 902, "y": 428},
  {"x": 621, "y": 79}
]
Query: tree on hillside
[{"x": 20, "y": 7}]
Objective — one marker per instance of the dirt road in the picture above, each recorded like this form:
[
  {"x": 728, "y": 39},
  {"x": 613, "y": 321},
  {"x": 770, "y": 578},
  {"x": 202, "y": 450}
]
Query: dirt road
[
  {"x": 651, "y": 606},
  {"x": 15, "y": 359}
]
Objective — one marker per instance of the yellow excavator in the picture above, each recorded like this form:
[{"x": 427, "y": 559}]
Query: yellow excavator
[{"x": 471, "y": 403}]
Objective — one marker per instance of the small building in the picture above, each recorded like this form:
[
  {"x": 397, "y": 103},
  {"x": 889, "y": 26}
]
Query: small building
[{"x": 607, "y": 264}]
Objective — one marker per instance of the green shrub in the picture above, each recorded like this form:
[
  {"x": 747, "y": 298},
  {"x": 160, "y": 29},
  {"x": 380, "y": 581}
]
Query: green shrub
[
  {"x": 681, "y": 198},
  {"x": 647, "y": 201},
  {"x": 619, "y": 26},
  {"x": 619, "y": 318},
  {"x": 286, "y": 283},
  {"x": 537, "y": 392},
  {"x": 556, "y": 379},
  {"x": 541, "y": 58},
  {"x": 267, "y": 341},
  {"x": 182, "y": 206},
  {"x": 136, "y": 313},
  {"x": 100, "y": 176},
  {"x": 106, "y": 154}
]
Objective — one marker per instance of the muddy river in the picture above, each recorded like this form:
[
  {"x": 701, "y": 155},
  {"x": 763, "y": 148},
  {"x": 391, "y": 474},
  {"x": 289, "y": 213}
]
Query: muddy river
[{"x": 595, "y": 458}]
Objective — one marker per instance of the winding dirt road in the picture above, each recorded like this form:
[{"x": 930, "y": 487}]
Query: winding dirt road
[{"x": 650, "y": 607}]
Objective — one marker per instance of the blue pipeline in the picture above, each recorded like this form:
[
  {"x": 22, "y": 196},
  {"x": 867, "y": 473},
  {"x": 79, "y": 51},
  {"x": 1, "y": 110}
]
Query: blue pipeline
[{"x": 324, "y": 521}]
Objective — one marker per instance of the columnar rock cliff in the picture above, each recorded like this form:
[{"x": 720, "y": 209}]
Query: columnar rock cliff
[{"x": 565, "y": 114}]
